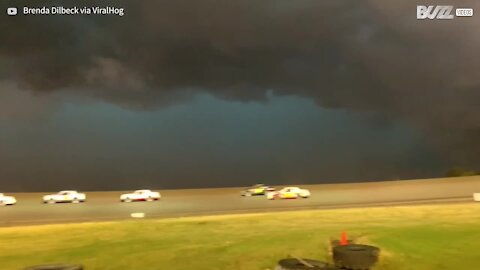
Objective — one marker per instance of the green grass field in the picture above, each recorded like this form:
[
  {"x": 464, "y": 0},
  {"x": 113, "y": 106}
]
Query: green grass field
[{"x": 411, "y": 237}]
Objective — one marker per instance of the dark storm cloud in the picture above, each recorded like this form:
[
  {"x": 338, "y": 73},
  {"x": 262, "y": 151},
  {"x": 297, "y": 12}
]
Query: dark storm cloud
[
  {"x": 363, "y": 56},
  {"x": 21, "y": 105}
]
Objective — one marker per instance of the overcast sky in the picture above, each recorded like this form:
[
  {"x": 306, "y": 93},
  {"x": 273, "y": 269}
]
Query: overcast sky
[{"x": 228, "y": 93}]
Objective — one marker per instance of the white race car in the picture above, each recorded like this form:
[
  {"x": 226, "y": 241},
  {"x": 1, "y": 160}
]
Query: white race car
[
  {"x": 140, "y": 195},
  {"x": 71, "y": 196},
  {"x": 7, "y": 200},
  {"x": 289, "y": 193}
]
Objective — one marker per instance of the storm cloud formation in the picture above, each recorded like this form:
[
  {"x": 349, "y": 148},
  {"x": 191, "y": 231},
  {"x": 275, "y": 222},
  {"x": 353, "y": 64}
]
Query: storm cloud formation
[{"x": 369, "y": 56}]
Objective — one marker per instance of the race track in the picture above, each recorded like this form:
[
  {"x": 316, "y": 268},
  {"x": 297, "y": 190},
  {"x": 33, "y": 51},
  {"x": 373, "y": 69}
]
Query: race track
[{"x": 175, "y": 203}]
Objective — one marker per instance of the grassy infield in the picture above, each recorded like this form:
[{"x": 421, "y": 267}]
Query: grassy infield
[{"x": 420, "y": 237}]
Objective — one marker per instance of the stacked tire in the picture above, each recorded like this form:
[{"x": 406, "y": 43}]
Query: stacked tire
[
  {"x": 295, "y": 264},
  {"x": 355, "y": 256}
]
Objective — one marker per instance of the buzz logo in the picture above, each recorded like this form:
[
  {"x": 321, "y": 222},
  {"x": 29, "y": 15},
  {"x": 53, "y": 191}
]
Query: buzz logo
[{"x": 435, "y": 12}]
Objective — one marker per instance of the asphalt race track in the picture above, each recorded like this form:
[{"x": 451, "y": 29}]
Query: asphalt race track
[{"x": 102, "y": 206}]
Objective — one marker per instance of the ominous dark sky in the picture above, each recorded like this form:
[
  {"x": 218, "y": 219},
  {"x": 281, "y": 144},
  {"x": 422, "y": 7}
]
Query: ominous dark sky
[{"x": 226, "y": 93}]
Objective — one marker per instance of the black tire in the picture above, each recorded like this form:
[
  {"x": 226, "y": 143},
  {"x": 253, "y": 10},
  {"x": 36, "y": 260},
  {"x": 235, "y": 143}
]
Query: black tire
[
  {"x": 55, "y": 267},
  {"x": 295, "y": 264},
  {"x": 334, "y": 243},
  {"x": 355, "y": 256}
]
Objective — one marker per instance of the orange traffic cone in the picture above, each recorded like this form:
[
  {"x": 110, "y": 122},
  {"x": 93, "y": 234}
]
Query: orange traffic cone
[{"x": 343, "y": 239}]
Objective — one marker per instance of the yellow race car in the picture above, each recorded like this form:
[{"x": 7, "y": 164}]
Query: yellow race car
[{"x": 258, "y": 189}]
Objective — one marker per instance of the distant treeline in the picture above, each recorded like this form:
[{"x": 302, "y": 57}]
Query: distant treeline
[{"x": 459, "y": 171}]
